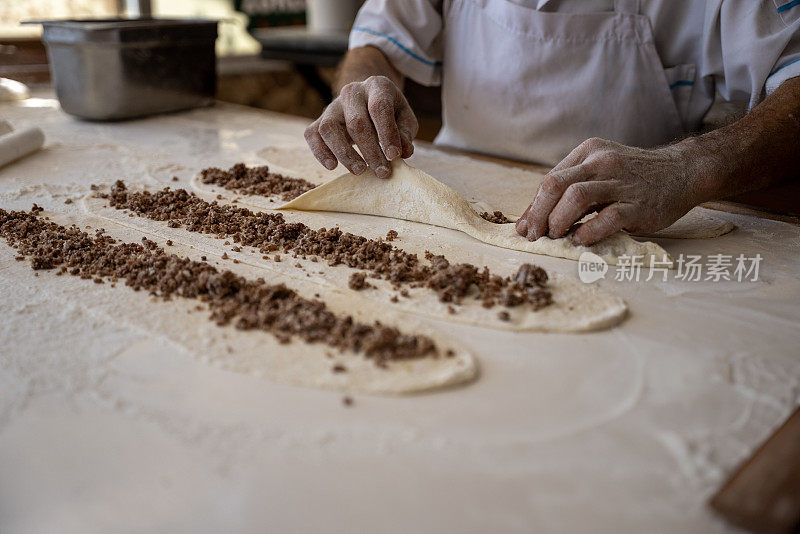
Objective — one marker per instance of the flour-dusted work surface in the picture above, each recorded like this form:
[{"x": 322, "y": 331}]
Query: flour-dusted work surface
[{"x": 110, "y": 424}]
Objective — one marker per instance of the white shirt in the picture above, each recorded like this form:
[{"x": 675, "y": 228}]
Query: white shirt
[{"x": 742, "y": 48}]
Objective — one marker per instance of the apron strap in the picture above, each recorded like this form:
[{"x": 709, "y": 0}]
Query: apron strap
[{"x": 627, "y": 7}]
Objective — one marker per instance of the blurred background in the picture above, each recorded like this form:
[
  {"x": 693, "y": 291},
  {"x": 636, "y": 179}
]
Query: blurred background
[{"x": 267, "y": 56}]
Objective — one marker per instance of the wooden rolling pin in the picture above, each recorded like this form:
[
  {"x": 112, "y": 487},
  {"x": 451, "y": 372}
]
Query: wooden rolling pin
[
  {"x": 19, "y": 143},
  {"x": 764, "y": 494}
]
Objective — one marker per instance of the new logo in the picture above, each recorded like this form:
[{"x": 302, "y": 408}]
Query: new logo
[{"x": 591, "y": 267}]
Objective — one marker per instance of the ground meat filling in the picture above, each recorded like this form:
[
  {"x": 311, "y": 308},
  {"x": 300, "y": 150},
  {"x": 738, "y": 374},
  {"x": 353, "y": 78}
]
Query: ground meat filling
[
  {"x": 358, "y": 281},
  {"x": 269, "y": 232},
  {"x": 256, "y": 181},
  {"x": 231, "y": 298},
  {"x": 497, "y": 217}
]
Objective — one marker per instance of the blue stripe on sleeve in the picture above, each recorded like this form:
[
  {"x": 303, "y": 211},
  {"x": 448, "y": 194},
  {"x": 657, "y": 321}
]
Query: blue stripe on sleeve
[
  {"x": 784, "y": 66},
  {"x": 683, "y": 82},
  {"x": 398, "y": 45},
  {"x": 790, "y": 5}
]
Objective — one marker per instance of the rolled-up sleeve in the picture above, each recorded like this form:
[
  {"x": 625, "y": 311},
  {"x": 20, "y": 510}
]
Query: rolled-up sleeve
[
  {"x": 751, "y": 47},
  {"x": 407, "y": 31},
  {"x": 788, "y": 65}
]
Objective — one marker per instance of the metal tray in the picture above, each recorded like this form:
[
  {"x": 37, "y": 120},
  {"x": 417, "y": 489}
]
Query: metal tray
[{"x": 110, "y": 69}]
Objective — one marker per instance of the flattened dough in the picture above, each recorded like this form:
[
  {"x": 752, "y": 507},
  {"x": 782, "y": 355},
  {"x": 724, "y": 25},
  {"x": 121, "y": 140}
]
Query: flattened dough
[
  {"x": 577, "y": 307},
  {"x": 414, "y": 195},
  {"x": 694, "y": 225},
  {"x": 252, "y": 351}
]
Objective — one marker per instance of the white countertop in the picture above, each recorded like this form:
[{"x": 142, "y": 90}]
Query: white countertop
[{"x": 108, "y": 427}]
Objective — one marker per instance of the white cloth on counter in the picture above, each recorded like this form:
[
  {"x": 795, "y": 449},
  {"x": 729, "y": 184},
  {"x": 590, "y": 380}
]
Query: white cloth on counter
[{"x": 495, "y": 60}]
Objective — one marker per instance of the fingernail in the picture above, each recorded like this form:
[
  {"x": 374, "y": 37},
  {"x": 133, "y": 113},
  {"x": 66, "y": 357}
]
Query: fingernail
[
  {"x": 532, "y": 235},
  {"x": 330, "y": 164},
  {"x": 358, "y": 168},
  {"x": 382, "y": 171},
  {"x": 392, "y": 152}
]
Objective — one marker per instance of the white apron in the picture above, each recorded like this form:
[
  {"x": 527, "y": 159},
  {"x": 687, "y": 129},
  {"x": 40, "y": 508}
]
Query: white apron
[{"x": 532, "y": 85}]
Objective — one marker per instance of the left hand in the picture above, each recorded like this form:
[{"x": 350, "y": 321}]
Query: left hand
[{"x": 634, "y": 189}]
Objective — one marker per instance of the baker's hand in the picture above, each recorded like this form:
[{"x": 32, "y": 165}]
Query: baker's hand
[
  {"x": 375, "y": 116},
  {"x": 633, "y": 189}
]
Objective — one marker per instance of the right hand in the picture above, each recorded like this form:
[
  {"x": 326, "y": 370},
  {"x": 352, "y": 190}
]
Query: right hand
[{"x": 375, "y": 116}]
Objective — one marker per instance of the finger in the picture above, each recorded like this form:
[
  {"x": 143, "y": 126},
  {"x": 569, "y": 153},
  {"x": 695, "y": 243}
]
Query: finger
[
  {"x": 522, "y": 222},
  {"x": 406, "y": 121},
  {"x": 335, "y": 136},
  {"x": 578, "y": 200},
  {"x": 580, "y": 153},
  {"x": 381, "y": 111},
  {"x": 610, "y": 220},
  {"x": 574, "y": 158},
  {"x": 583, "y": 151},
  {"x": 408, "y": 126},
  {"x": 548, "y": 195},
  {"x": 362, "y": 132},
  {"x": 408, "y": 146},
  {"x": 319, "y": 148}
]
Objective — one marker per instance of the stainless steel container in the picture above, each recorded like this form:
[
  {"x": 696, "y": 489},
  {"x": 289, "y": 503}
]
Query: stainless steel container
[{"x": 122, "y": 68}]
